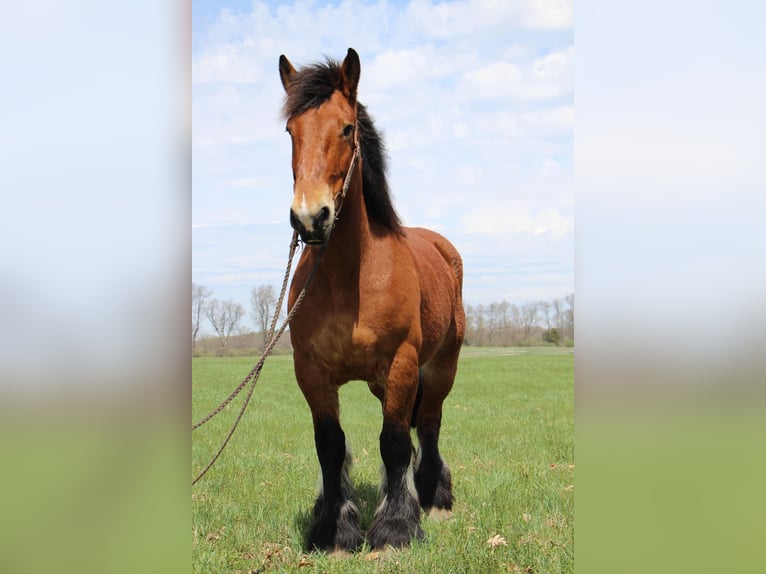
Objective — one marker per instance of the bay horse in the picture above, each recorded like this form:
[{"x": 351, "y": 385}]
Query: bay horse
[{"x": 384, "y": 306}]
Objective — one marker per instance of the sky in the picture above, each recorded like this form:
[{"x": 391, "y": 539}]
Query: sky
[{"x": 475, "y": 103}]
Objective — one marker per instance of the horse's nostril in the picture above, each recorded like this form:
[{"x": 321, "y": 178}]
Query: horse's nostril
[
  {"x": 321, "y": 217},
  {"x": 295, "y": 222}
]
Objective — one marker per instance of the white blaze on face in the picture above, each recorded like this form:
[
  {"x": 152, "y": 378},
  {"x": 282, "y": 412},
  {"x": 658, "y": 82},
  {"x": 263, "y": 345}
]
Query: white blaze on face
[{"x": 309, "y": 204}]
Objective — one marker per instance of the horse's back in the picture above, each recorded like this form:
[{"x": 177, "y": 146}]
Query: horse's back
[
  {"x": 426, "y": 243},
  {"x": 440, "y": 270}
]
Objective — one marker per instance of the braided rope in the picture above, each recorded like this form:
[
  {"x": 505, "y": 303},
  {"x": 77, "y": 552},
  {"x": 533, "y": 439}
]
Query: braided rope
[{"x": 271, "y": 341}]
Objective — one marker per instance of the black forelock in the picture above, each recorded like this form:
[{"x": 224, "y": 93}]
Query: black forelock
[{"x": 311, "y": 86}]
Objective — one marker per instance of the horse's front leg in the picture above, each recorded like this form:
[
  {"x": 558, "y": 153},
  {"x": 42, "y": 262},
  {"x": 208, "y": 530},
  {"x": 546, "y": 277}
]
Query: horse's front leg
[
  {"x": 335, "y": 523},
  {"x": 397, "y": 519}
]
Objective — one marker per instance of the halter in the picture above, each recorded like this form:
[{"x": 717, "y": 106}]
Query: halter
[{"x": 347, "y": 180}]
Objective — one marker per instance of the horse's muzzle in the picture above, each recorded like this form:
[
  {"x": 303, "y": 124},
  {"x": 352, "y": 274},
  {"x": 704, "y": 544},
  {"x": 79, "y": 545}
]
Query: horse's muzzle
[{"x": 313, "y": 229}]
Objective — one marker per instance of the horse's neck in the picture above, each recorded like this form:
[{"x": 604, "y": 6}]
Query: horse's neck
[{"x": 351, "y": 236}]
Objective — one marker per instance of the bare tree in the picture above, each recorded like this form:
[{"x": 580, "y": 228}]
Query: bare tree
[
  {"x": 545, "y": 310},
  {"x": 569, "y": 315},
  {"x": 529, "y": 317},
  {"x": 263, "y": 301},
  {"x": 224, "y": 316},
  {"x": 558, "y": 315},
  {"x": 493, "y": 322},
  {"x": 480, "y": 325},
  {"x": 504, "y": 322},
  {"x": 200, "y": 294},
  {"x": 516, "y": 323},
  {"x": 470, "y": 325}
]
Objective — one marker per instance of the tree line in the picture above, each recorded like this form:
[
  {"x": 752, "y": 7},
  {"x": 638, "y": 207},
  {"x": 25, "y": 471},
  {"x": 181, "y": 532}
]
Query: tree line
[
  {"x": 506, "y": 324},
  {"x": 496, "y": 324}
]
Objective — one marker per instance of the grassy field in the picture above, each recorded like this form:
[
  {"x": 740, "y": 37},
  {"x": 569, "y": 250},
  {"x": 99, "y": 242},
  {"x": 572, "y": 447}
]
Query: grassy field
[{"x": 507, "y": 435}]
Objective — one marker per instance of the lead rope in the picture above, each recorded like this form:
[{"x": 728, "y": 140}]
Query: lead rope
[
  {"x": 252, "y": 376},
  {"x": 269, "y": 339}
]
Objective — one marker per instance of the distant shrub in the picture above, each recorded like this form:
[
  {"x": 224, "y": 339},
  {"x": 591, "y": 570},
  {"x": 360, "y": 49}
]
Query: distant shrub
[{"x": 552, "y": 336}]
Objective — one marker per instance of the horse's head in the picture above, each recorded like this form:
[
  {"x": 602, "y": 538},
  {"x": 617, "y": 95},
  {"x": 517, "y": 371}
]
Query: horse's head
[{"x": 321, "y": 120}]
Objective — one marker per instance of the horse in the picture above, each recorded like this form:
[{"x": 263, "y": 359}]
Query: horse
[{"x": 384, "y": 306}]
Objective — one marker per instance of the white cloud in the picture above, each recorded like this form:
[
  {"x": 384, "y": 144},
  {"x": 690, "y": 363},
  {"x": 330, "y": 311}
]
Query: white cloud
[
  {"x": 227, "y": 63},
  {"x": 450, "y": 20},
  {"x": 496, "y": 80},
  {"x": 474, "y": 105},
  {"x": 553, "y": 65},
  {"x": 544, "y": 78},
  {"x": 549, "y": 120},
  {"x": 414, "y": 68},
  {"x": 548, "y": 14},
  {"x": 514, "y": 217}
]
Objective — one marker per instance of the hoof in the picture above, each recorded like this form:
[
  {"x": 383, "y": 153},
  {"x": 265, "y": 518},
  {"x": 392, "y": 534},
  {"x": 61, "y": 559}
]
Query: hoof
[
  {"x": 434, "y": 489},
  {"x": 341, "y": 533},
  {"x": 339, "y": 553},
  {"x": 393, "y": 533}
]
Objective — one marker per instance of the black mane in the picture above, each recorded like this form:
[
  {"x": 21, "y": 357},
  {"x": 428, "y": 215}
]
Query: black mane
[{"x": 309, "y": 88}]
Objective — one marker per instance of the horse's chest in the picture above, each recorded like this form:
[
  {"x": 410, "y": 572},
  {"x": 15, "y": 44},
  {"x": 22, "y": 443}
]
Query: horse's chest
[
  {"x": 342, "y": 341},
  {"x": 350, "y": 348}
]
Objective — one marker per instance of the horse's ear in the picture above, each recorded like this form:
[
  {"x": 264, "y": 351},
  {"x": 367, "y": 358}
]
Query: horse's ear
[
  {"x": 286, "y": 71},
  {"x": 350, "y": 71}
]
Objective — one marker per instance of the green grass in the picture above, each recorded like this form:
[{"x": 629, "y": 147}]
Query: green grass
[{"x": 507, "y": 435}]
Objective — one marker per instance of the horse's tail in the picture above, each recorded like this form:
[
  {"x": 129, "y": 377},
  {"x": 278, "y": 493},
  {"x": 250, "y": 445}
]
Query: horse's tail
[{"x": 418, "y": 398}]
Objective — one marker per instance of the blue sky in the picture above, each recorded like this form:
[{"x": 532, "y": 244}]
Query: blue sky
[{"x": 475, "y": 100}]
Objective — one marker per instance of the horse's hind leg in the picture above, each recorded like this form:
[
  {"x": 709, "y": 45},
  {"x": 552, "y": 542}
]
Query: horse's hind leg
[
  {"x": 335, "y": 523},
  {"x": 432, "y": 475}
]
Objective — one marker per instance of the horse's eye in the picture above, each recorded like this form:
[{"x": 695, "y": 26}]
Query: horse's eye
[{"x": 348, "y": 130}]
